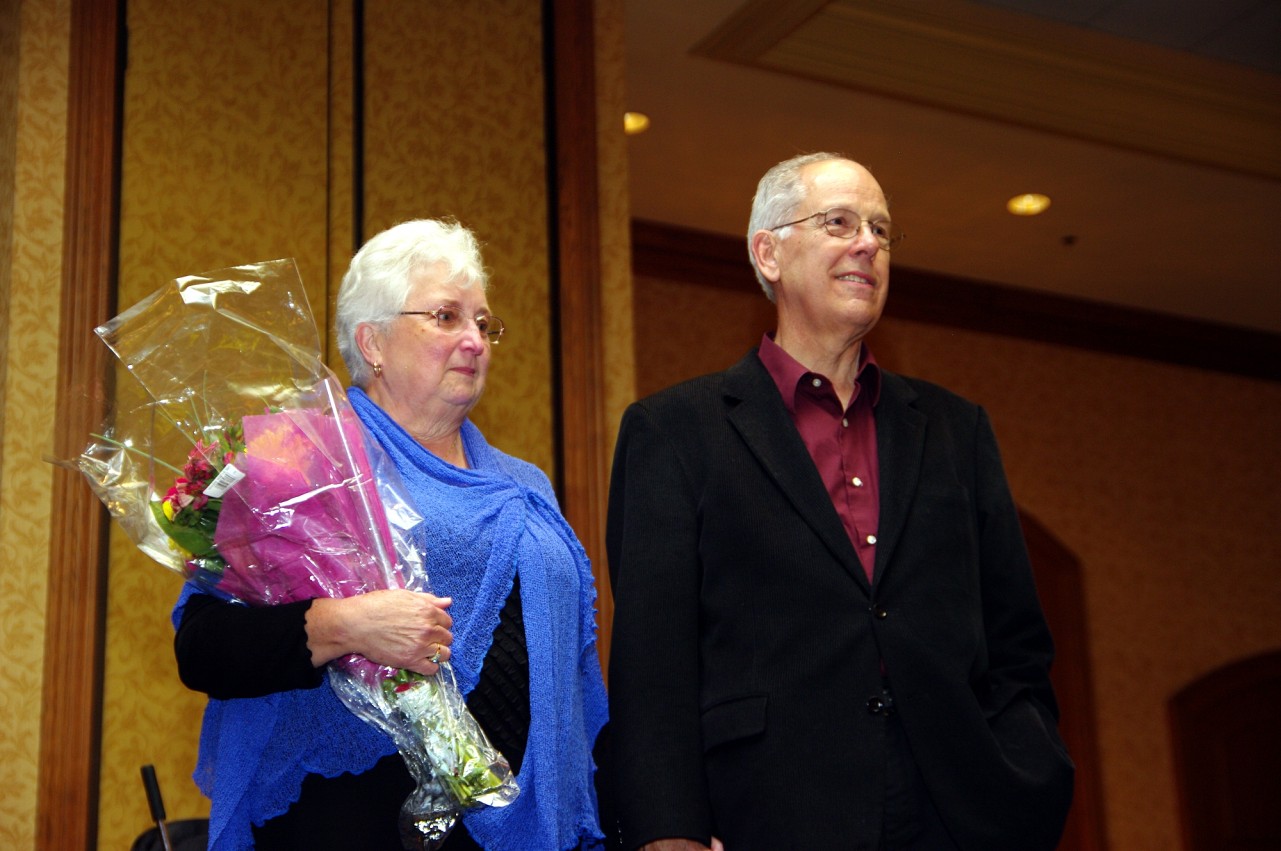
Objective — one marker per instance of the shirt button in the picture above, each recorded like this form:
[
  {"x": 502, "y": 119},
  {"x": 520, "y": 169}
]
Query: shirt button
[
  {"x": 871, "y": 539},
  {"x": 817, "y": 382},
  {"x": 858, "y": 483},
  {"x": 845, "y": 422}
]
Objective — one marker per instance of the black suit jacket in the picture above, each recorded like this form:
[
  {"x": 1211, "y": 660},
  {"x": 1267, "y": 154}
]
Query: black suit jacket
[{"x": 748, "y": 642}]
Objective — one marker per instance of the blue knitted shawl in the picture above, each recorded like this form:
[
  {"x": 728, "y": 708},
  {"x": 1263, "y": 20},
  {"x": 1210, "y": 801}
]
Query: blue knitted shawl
[{"x": 483, "y": 525}]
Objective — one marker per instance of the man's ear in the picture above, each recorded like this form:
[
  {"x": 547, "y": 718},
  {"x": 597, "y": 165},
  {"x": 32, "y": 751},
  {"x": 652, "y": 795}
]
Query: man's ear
[{"x": 764, "y": 247}]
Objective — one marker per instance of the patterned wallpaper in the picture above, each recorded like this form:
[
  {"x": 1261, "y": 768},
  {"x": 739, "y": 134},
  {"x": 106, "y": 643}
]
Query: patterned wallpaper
[
  {"x": 1159, "y": 478},
  {"x": 225, "y": 162},
  {"x": 32, "y": 147},
  {"x": 615, "y": 217},
  {"x": 454, "y": 127},
  {"x": 8, "y": 136},
  {"x": 618, "y": 355}
]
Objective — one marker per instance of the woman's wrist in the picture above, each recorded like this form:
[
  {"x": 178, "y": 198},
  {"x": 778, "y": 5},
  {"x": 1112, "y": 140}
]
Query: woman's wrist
[{"x": 327, "y": 633}]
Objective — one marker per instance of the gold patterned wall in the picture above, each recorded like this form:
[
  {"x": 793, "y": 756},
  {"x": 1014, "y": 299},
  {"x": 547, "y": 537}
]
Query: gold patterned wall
[
  {"x": 33, "y": 68},
  {"x": 1161, "y": 479},
  {"x": 454, "y": 127},
  {"x": 615, "y": 217},
  {"x": 225, "y": 161},
  {"x": 8, "y": 161},
  {"x": 618, "y": 352}
]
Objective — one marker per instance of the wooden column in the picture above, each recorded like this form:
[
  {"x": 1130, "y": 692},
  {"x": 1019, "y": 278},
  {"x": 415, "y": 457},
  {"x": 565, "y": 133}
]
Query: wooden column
[
  {"x": 578, "y": 353},
  {"x": 71, "y": 718}
]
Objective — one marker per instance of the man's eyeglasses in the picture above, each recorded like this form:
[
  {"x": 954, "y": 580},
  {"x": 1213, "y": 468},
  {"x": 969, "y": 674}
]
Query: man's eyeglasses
[
  {"x": 451, "y": 321},
  {"x": 846, "y": 224}
]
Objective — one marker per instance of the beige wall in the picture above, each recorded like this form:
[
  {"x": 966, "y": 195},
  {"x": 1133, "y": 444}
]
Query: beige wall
[
  {"x": 33, "y": 68},
  {"x": 454, "y": 127},
  {"x": 8, "y": 161},
  {"x": 225, "y": 161},
  {"x": 615, "y": 216},
  {"x": 1159, "y": 478}
]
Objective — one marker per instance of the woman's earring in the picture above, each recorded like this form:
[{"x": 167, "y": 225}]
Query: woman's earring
[{"x": 378, "y": 370}]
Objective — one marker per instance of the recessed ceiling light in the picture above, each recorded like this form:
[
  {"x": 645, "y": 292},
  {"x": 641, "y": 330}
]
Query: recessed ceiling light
[
  {"x": 635, "y": 122},
  {"x": 1028, "y": 205}
]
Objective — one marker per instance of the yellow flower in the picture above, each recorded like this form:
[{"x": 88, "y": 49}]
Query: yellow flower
[{"x": 173, "y": 545}]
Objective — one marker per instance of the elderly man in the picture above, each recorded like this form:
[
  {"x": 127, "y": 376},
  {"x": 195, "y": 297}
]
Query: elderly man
[{"x": 826, "y": 630}]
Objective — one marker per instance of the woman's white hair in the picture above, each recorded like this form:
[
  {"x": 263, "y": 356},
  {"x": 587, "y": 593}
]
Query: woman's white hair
[
  {"x": 778, "y": 195},
  {"x": 377, "y": 282}
]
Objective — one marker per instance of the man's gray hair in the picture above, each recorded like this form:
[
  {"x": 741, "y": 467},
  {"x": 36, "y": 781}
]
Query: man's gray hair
[
  {"x": 378, "y": 281},
  {"x": 778, "y": 195}
]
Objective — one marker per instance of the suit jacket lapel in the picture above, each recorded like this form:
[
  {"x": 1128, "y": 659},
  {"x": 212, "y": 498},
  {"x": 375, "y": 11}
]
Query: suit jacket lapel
[
  {"x": 900, "y": 444},
  {"x": 756, "y": 410}
]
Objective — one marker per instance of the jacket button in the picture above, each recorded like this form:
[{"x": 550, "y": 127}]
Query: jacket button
[
  {"x": 881, "y": 704},
  {"x": 880, "y": 613}
]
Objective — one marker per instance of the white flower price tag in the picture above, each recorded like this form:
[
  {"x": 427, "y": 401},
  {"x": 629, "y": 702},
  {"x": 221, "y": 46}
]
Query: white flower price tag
[{"x": 224, "y": 481}]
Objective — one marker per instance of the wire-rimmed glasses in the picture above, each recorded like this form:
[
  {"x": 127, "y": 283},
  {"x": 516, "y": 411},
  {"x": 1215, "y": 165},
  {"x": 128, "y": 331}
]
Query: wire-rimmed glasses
[
  {"x": 846, "y": 224},
  {"x": 450, "y": 320}
]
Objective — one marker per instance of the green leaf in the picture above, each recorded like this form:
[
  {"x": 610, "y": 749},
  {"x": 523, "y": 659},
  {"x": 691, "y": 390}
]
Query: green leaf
[{"x": 195, "y": 540}]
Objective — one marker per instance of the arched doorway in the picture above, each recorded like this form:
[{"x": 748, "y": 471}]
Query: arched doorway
[{"x": 1227, "y": 756}]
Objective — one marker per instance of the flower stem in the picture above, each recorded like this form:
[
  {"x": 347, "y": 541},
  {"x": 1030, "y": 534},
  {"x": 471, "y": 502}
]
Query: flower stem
[{"x": 128, "y": 448}]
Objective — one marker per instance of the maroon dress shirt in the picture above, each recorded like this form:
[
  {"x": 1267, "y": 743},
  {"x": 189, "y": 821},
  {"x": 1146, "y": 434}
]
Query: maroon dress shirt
[{"x": 841, "y": 442}]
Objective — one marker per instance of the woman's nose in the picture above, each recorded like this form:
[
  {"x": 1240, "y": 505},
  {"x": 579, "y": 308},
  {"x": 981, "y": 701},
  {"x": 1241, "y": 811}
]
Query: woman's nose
[{"x": 473, "y": 336}]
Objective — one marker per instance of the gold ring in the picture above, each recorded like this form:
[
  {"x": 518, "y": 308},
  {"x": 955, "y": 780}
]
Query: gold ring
[{"x": 435, "y": 657}]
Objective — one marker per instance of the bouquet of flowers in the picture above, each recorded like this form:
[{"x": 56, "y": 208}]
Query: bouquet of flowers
[{"x": 238, "y": 462}]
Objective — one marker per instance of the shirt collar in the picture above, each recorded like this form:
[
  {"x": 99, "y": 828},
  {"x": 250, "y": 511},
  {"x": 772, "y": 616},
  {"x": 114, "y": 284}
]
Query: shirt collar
[{"x": 788, "y": 372}]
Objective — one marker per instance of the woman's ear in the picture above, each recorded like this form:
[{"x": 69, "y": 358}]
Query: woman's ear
[
  {"x": 764, "y": 249},
  {"x": 369, "y": 339}
]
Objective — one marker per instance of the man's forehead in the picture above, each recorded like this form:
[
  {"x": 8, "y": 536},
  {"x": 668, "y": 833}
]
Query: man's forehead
[{"x": 842, "y": 183}]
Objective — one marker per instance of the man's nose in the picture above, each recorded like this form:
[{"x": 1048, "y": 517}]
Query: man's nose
[{"x": 865, "y": 240}]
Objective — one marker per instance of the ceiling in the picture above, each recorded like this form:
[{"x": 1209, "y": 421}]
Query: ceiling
[{"x": 1154, "y": 125}]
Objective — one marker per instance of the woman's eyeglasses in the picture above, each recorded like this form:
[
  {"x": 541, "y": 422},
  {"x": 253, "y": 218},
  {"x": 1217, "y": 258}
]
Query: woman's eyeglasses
[{"x": 451, "y": 321}]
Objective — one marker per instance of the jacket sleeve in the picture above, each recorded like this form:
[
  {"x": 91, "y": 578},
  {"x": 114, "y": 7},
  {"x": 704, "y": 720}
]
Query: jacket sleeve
[
  {"x": 652, "y": 544},
  {"x": 1015, "y": 694},
  {"x": 1019, "y": 646},
  {"x": 228, "y": 650}
]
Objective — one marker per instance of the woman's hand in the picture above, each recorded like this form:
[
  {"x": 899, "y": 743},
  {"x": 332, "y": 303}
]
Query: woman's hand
[{"x": 399, "y": 628}]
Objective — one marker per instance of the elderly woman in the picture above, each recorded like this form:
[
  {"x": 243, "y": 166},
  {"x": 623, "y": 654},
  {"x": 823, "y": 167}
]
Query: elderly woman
[{"x": 288, "y": 765}]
